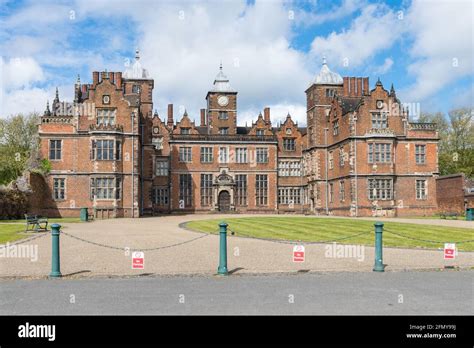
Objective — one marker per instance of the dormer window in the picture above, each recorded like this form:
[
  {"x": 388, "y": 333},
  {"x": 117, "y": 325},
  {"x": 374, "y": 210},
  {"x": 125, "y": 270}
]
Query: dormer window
[
  {"x": 289, "y": 144},
  {"x": 379, "y": 120},
  {"x": 185, "y": 131},
  {"x": 260, "y": 132},
  {"x": 106, "y": 117}
]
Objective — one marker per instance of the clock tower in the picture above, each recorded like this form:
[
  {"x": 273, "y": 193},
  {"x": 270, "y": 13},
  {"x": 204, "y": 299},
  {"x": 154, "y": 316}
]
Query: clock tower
[{"x": 222, "y": 106}]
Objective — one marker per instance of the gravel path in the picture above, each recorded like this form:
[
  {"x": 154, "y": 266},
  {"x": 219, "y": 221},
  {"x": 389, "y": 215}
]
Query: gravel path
[{"x": 245, "y": 255}]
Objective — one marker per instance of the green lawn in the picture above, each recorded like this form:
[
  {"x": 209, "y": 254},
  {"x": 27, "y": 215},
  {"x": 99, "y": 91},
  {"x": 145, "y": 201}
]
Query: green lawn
[
  {"x": 50, "y": 221},
  {"x": 9, "y": 233},
  {"x": 309, "y": 229},
  {"x": 12, "y": 230}
]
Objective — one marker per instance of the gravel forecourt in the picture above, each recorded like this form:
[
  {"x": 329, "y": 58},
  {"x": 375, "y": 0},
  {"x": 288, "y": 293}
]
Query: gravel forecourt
[{"x": 200, "y": 256}]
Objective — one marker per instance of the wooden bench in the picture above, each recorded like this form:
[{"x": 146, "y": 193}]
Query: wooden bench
[
  {"x": 37, "y": 222},
  {"x": 445, "y": 215}
]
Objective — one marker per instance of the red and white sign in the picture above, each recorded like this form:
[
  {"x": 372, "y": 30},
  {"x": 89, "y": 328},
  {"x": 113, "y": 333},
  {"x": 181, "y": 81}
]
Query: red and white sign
[
  {"x": 449, "y": 251},
  {"x": 298, "y": 253},
  {"x": 138, "y": 260}
]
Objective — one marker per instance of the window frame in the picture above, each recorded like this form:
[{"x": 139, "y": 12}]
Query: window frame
[
  {"x": 206, "y": 154},
  {"x": 261, "y": 190},
  {"x": 289, "y": 144},
  {"x": 59, "y": 189},
  {"x": 421, "y": 193},
  {"x": 56, "y": 149},
  {"x": 420, "y": 157},
  {"x": 185, "y": 154},
  {"x": 160, "y": 169},
  {"x": 261, "y": 155}
]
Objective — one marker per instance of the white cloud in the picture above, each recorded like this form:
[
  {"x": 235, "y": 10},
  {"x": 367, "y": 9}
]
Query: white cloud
[
  {"x": 23, "y": 100},
  {"x": 373, "y": 31},
  {"x": 442, "y": 45},
  {"x": 308, "y": 18},
  {"x": 183, "y": 52},
  {"x": 19, "y": 72},
  {"x": 385, "y": 67}
]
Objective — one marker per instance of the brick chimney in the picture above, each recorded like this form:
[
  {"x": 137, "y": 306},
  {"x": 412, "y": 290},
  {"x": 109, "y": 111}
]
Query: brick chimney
[
  {"x": 170, "y": 122},
  {"x": 359, "y": 86},
  {"x": 366, "y": 85},
  {"x": 266, "y": 114},
  {"x": 203, "y": 117},
  {"x": 352, "y": 81},
  {"x": 118, "y": 79},
  {"x": 345, "y": 86},
  {"x": 95, "y": 78}
]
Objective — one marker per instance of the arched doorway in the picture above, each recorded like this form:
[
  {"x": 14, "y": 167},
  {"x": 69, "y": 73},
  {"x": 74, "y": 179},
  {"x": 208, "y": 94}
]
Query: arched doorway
[{"x": 224, "y": 201}]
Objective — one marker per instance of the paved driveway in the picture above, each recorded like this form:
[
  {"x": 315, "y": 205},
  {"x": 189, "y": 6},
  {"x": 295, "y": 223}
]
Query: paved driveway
[
  {"x": 390, "y": 293},
  {"x": 199, "y": 256}
]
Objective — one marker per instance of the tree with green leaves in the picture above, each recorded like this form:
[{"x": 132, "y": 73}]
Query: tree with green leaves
[
  {"x": 456, "y": 145},
  {"x": 18, "y": 145}
]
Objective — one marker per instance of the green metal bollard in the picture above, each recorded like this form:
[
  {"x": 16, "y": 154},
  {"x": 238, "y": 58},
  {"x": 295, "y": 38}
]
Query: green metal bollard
[
  {"x": 55, "y": 264},
  {"x": 222, "y": 270},
  {"x": 378, "y": 266}
]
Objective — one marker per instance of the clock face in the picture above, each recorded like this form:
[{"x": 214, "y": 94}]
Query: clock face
[
  {"x": 288, "y": 131},
  {"x": 222, "y": 100},
  {"x": 156, "y": 130},
  {"x": 379, "y": 104},
  {"x": 105, "y": 99}
]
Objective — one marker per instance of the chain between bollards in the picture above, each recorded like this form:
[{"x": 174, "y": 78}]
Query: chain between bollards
[
  {"x": 378, "y": 266},
  {"x": 55, "y": 262},
  {"x": 222, "y": 269}
]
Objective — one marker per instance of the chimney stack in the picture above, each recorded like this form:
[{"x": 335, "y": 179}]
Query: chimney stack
[
  {"x": 366, "y": 85},
  {"x": 118, "y": 79},
  {"x": 95, "y": 78},
  {"x": 359, "y": 86},
  {"x": 203, "y": 117},
  {"x": 345, "y": 86},
  {"x": 266, "y": 114},
  {"x": 352, "y": 81},
  {"x": 170, "y": 122}
]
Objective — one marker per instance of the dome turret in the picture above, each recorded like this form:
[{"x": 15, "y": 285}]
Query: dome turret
[
  {"x": 221, "y": 83},
  {"x": 327, "y": 77},
  {"x": 136, "y": 72}
]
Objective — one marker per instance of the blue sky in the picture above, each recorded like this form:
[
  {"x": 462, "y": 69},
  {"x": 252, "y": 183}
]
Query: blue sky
[{"x": 271, "y": 50}]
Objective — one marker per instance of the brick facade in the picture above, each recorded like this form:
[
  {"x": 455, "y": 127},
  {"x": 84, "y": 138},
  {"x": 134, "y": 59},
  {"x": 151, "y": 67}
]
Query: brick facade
[
  {"x": 455, "y": 193},
  {"x": 363, "y": 156},
  {"x": 112, "y": 154}
]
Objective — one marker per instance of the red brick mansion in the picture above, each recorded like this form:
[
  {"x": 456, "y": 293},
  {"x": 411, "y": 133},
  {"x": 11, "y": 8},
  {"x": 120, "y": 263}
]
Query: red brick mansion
[{"x": 358, "y": 156}]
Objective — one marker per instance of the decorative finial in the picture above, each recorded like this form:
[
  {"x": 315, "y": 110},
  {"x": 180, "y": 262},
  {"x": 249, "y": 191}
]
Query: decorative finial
[
  {"x": 185, "y": 112},
  {"x": 324, "y": 60},
  {"x": 78, "y": 81},
  {"x": 220, "y": 66},
  {"x": 392, "y": 90},
  {"x": 288, "y": 116},
  {"x": 56, "y": 99},
  {"x": 379, "y": 83},
  {"x": 137, "y": 54}
]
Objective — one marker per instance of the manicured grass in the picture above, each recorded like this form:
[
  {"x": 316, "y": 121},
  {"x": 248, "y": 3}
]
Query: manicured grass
[
  {"x": 309, "y": 229},
  {"x": 10, "y": 233},
  {"x": 50, "y": 221},
  {"x": 12, "y": 230}
]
